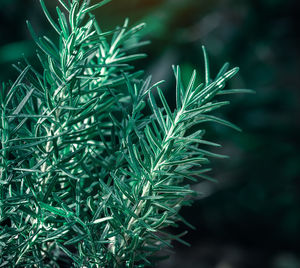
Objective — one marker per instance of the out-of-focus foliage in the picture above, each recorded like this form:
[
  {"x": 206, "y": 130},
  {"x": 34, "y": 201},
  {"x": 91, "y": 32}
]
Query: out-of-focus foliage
[{"x": 256, "y": 204}]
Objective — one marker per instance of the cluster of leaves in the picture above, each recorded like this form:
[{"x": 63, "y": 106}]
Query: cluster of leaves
[{"x": 86, "y": 175}]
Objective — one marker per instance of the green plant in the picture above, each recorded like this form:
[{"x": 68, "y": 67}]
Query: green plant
[{"x": 87, "y": 175}]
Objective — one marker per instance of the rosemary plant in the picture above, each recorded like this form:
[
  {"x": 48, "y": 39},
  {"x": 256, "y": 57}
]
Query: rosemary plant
[{"x": 87, "y": 176}]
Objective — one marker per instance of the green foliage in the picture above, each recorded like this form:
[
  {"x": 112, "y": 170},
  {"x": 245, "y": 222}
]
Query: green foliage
[{"x": 87, "y": 175}]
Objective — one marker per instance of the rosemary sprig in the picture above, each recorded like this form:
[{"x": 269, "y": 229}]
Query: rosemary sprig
[{"x": 87, "y": 177}]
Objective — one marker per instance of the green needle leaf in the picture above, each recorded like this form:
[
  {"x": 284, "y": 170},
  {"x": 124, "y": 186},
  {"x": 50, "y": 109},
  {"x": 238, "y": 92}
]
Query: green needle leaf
[
  {"x": 54, "y": 210},
  {"x": 91, "y": 8},
  {"x": 165, "y": 104},
  {"x": 54, "y": 25},
  {"x": 206, "y": 64},
  {"x": 102, "y": 220}
]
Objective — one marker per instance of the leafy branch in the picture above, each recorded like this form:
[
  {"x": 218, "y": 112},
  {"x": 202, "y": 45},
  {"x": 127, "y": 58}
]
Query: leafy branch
[{"x": 86, "y": 176}]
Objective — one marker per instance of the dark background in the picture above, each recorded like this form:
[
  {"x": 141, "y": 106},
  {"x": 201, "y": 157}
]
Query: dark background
[{"x": 251, "y": 218}]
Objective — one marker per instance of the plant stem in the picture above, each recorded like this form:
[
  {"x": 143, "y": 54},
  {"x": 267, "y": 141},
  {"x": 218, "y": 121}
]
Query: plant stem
[
  {"x": 153, "y": 174},
  {"x": 3, "y": 168}
]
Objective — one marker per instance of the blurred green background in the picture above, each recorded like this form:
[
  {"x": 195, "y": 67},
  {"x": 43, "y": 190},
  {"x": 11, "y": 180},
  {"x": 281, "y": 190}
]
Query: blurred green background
[{"x": 251, "y": 218}]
